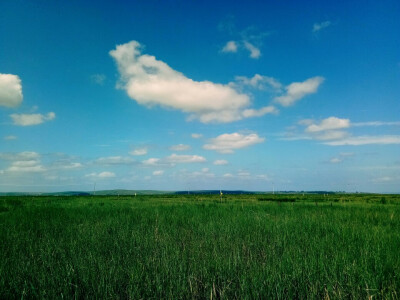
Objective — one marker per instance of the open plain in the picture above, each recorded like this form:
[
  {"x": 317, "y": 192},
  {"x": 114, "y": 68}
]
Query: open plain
[{"x": 195, "y": 246}]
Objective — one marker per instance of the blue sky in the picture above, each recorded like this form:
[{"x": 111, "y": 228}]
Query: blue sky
[{"x": 177, "y": 95}]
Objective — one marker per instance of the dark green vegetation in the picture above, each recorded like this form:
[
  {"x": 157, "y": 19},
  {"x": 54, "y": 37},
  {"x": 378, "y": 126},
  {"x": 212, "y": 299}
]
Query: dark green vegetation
[{"x": 187, "y": 246}]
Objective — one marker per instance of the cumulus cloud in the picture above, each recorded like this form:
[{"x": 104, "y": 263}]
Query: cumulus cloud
[
  {"x": 220, "y": 162},
  {"x": 180, "y": 147},
  {"x": 30, "y": 162},
  {"x": 319, "y": 26},
  {"x": 26, "y": 155},
  {"x": 151, "y": 161},
  {"x": 297, "y": 90},
  {"x": 327, "y": 129},
  {"x": 230, "y": 46},
  {"x": 23, "y": 162},
  {"x": 31, "y": 119},
  {"x": 175, "y": 158},
  {"x": 10, "y": 90},
  {"x": 329, "y": 124},
  {"x": 331, "y": 132},
  {"x": 27, "y": 166},
  {"x": 101, "y": 175},
  {"x": 152, "y": 82},
  {"x": 249, "y": 113},
  {"x": 227, "y": 143},
  {"x": 139, "y": 151},
  {"x": 158, "y": 173}
]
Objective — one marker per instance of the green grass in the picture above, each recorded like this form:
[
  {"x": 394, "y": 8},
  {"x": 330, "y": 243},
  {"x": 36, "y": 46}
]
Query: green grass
[{"x": 248, "y": 246}]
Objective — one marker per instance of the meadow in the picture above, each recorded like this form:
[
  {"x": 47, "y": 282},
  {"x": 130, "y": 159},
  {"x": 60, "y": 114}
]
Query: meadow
[{"x": 289, "y": 246}]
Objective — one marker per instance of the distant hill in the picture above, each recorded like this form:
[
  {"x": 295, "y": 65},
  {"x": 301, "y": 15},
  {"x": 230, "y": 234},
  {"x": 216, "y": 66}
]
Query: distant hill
[
  {"x": 130, "y": 192},
  {"x": 154, "y": 192}
]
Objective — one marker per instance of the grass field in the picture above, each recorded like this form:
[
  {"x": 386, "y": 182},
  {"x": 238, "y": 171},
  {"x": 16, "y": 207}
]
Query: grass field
[{"x": 188, "y": 246}]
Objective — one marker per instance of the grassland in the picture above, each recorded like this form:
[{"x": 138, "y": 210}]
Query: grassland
[{"x": 190, "y": 247}]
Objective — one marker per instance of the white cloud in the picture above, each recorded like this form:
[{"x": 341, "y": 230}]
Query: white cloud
[
  {"x": 10, "y": 90},
  {"x": 101, "y": 175},
  {"x": 319, "y": 26},
  {"x": 297, "y": 90},
  {"x": 114, "y": 160},
  {"x": 249, "y": 113},
  {"x": 196, "y": 135},
  {"x": 179, "y": 147},
  {"x": 366, "y": 140},
  {"x": 174, "y": 158},
  {"x": 23, "y": 162},
  {"x": 70, "y": 166},
  {"x": 26, "y": 167},
  {"x": 139, "y": 151},
  {"x": 31, "y": 119},
  {"x": 98, "y": 78},
  {"x": 220, "y": 162},
  {"x": 330, "y": 131},
  {"x": 233, "y": 47},
  {"x": 26, "y": 155},
  {"x": 327, "y": 129},
  {"x": 329, "y": 124},
  {"x": 158, "y": 173},
  {"x": 151, "y": 161},
  {"x": 203, "y": 174},
  {"x": 227, "y": 175},
  {"x": 230, "y": 46},
  {"x": 28, "y": 162},
  {"x": 259, "y": 82},
  {"x": 227, "y": 143},
  {"x": 254, "y": 51},
  {"x": 375, "y": 123},
  {"x": 152, "y": 82},
  {"x": 10, "y": 137}
]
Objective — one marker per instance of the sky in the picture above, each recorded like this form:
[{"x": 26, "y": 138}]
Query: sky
[{"x": 189, "y": 95}]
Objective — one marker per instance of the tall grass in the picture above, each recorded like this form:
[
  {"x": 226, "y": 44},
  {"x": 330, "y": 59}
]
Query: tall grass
[{"x": 188, "y": 247}]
